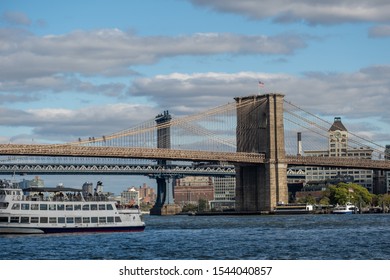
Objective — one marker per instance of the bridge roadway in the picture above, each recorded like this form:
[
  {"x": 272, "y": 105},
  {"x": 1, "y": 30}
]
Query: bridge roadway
[
  {"x": 127, "y": 152},
  {"x": 185, "y": 155}
]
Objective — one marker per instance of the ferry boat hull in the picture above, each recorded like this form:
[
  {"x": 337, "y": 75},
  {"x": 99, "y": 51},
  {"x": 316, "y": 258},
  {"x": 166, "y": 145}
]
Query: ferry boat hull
[{"x": 21, "y": 230}]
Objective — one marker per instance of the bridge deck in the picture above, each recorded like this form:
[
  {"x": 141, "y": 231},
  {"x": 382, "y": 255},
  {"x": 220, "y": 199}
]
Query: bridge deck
[{"x": 126, "y": 152}]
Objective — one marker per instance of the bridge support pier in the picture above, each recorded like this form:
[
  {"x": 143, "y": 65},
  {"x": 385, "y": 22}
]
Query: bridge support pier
[
  {"x": 162, "y": 206},
  {"x": 260, "y": 129},
  {"x": 165, "y": 200}
]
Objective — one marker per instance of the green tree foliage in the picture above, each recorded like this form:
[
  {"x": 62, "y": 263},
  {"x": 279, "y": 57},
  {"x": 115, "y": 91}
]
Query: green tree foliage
[
  {"x": 307, "y": 199},
  {"x": 384, "y": 200},
  {"x": 190, "y": 208},
  {"x": 351, "y": 192},
  {"x": 324, "y": 201},
  {"x": 202, "y": 205}
]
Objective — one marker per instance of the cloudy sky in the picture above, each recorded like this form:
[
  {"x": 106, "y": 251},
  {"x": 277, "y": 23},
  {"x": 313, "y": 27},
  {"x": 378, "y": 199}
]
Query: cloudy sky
[{"x": 71, "y": 69}]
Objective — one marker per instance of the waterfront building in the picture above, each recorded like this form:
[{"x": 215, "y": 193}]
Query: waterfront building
[
  {"x": 387, "y": 157},
  {"x": 147, "y": 195},
  {"x": 338, "y": 147},
  {"x": 37, "y": 182},
  {"x": 189, "y": 190},
  {"x": 130, "y": 197},
  {"x": 224, "y": 193}
]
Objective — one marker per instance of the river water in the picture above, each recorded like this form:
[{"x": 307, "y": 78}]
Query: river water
[{"x": 298, "y": 237}]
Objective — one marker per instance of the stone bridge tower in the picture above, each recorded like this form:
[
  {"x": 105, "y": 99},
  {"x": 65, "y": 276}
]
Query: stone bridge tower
[{"x": 260, "y": 129}]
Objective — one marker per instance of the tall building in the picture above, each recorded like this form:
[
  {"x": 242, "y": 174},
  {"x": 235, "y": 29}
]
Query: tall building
[
  {"x": 387, "y": 157},
  {"x": 189, "y": 190},
  {"x": 147, "y": 194},
  {"x": 224, "y": 193},
  {"x": 338, "y": 147},
  {"x": 130, "y": 197}
]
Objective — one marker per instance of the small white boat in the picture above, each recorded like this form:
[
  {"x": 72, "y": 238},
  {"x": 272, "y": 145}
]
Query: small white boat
[
  {"x": 348, "y": 208},
  {"x": 61, "y": 209}
]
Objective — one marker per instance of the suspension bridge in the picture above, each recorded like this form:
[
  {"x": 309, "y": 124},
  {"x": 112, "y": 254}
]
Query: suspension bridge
[{"x": 257, "y": 134}]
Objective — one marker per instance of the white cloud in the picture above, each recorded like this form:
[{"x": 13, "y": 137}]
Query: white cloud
[
  {"x": 379, "y": 31},
  {"x": 108, "y": 51},
  {"x": 15, "y": 18},
  {"x": 309, "y": 11},
  {"x": 63, "y": 125}
]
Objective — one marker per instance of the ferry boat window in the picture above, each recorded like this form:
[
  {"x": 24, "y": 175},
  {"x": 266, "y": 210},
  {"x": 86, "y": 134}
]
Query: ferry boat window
[
  {"x": 3, "y": 205},
  {"x": 93, "y": 206},
  {"x": 42, "y": 206},
  {"x": 86, "y": 220},
  {"x": 15, "y": 206},
  {"x": 24, "y": 220},
  {"x": 110, "y": 219},
  {"x": 77, "y": 207},
  {"x": 34, "y": 206},
  {"x": 53, "y": 220},
  {"x": 118, "y": 219},
  {"x": 77, "y": 220},
  {"x": 60, "y": 207},
  {"x": 102, "y": 207},
  {"x": 43, "y": 220},
  {"x": 52, "y": 206},
  {"x": 69, "y": 207},
  {"x": 102, "y": 220},
  {"x": 69, "y": 220},
  {"x": 34, "y": 220},
  {"x": 3, "y": 219},
  {"x": 86, "y": 207},
  {"x": 109, "y": 207},
  {"x": 25, "y": 206},
  {"x": 61, "y": 220},
  {"x": 14, "y": 220},
  {"x": 94, "y": 219}
]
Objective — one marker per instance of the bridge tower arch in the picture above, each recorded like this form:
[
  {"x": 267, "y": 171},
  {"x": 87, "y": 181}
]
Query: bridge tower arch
[{"x": 260, "y": 129}]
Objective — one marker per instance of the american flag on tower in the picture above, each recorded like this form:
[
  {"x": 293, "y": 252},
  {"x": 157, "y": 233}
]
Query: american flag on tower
[{"x": 261, "y": 84}]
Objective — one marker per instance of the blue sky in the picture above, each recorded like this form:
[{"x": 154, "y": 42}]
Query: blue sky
[{"x": 72, "y": 69}]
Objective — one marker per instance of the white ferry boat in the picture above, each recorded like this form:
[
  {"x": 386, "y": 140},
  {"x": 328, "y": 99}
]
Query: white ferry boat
[
  {"x": 294, "y": 208},
  {"x": 61, "y": 209},
  {"x": 348, "y": 208}
]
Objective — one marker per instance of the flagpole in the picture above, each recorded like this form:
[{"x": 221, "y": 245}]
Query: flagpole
[{"x": 260, "y": 84}]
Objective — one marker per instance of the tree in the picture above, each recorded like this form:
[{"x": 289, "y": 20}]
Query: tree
[
  {"x": 324, "y": 200},
  {"x": 309, "y": 199},
  {"x": 384, "y": 200},
  {"x": 202, "y": 205},
  {"x": 351, "y": 192},
  {"x": 189, "y": 208}
]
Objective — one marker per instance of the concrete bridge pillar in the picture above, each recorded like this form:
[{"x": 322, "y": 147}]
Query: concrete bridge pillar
[{"x": 260, "y": 129}]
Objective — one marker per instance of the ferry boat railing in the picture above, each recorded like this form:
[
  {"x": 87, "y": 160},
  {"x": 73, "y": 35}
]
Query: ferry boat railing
[{"x": 60, "y": 197}]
